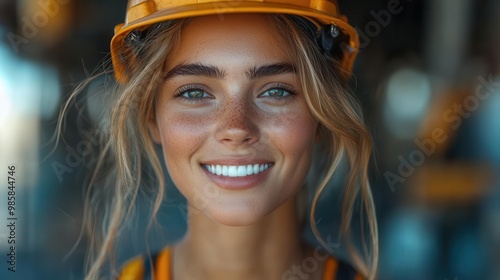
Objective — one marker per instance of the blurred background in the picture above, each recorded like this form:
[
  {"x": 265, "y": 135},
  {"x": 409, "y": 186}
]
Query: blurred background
[{"x": 428, "y": 76}]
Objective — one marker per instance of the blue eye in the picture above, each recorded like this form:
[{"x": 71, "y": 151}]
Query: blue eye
[
  {"x": 279, "y": 92},
  {"x": 194, "y": 94},
  {"x": 276, "y": 92}
]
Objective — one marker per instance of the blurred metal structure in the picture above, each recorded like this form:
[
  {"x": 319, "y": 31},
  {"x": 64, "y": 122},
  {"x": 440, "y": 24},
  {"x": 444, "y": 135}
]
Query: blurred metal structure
[{"x": 448, "y": 28}]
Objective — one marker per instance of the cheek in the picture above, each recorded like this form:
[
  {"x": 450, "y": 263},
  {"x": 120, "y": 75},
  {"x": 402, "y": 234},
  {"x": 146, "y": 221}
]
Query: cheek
[
  {"x": 294, "y": 132},
  {"x": 294, "y": 137},
  {"x": 181, "y": 134}
]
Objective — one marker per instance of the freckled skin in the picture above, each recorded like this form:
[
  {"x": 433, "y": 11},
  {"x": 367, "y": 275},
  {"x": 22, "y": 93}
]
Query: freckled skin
[{"x": 235, "y": 122}]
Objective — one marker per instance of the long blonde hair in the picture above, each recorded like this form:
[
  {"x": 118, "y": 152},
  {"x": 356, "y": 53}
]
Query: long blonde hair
[
  {"x": 127, "y": 146},
  {"x": 344, "y": 135}
]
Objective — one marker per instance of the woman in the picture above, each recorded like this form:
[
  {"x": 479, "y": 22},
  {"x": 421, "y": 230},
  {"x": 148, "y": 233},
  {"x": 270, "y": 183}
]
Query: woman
[{"x": 237, "y": 94}]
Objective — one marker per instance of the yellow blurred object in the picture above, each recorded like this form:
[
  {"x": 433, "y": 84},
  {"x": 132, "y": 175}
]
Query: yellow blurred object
[
  {"x": 143, "y": 13},
  {"x": 441, "y": 115},
  {"x": 47, "y": 21},
  {"x": 451, "y": 183}
]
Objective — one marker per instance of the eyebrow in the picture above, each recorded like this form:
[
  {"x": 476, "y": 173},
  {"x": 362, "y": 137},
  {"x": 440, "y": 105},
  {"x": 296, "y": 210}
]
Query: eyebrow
[
  {"x": 196, "y": 69},
  {"x": 209, "y": 71},
  {"x": 270, "y": 70}
]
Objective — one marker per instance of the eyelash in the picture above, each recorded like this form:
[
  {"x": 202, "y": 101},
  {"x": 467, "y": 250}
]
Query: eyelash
[
  {"x": 182, "y": 90},
  {"x": 291, "y": 90}
]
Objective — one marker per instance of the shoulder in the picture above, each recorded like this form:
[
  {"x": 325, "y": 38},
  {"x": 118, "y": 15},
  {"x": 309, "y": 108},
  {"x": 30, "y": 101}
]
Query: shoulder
[
  {"x": 147, "y": 266},
  {"x": 336, "y": 269}
]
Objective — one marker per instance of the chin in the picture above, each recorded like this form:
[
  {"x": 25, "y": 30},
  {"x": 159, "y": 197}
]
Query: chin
[{"x": 236, "y": 216}]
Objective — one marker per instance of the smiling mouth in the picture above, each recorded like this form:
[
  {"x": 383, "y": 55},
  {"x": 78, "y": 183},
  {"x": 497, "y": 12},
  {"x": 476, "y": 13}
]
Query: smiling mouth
[{"x": 237, "y": 170}]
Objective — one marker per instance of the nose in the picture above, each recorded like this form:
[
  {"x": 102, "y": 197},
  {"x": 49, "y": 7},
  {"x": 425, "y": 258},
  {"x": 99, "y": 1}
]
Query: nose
[{"x": 237, "y": 123}]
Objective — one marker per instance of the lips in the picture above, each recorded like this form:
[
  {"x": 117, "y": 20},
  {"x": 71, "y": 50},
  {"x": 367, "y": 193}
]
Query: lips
[
  {"x": 237, "y": 174},
  {"x": 236, "y": 170}
]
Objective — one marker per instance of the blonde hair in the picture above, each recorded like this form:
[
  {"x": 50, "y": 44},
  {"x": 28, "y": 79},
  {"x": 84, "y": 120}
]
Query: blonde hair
[
  {"x": 344, "y": 135},
  {"x": 127, "y": 146}
]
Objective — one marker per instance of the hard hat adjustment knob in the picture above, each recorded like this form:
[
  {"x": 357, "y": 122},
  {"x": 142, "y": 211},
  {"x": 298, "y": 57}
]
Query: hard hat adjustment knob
[{"x": 329, "y": 40}]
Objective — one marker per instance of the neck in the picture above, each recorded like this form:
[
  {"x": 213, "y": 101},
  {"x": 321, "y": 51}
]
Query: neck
[{"x": 264, "y": 250}]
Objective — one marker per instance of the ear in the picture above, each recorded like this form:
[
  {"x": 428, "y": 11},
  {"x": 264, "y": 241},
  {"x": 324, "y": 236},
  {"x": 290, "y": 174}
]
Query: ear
[{"x": 154, "y": 130}]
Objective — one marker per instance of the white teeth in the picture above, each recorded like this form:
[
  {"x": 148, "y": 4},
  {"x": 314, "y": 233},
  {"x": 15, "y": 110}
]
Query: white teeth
[
  {"x": 232, "y": 171},
  {"x": 237, "y": 170},
  {"x": 242, "y": 171},
  {"x": 249, "y": 169}
]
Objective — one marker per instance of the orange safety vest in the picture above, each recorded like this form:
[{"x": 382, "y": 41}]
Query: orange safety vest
[{"x": 142, "y": 268}]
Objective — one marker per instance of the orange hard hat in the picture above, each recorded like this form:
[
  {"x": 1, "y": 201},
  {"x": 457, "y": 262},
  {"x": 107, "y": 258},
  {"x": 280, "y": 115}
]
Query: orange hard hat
[{"x": 143, "y": 13}]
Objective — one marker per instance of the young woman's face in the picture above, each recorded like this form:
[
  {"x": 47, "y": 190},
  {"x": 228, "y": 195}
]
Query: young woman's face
[{"x": 236, "y": 131}]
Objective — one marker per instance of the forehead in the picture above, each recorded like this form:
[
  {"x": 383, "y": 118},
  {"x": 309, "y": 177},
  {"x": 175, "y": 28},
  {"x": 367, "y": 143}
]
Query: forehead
[{"x": 239, "y": 37}]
